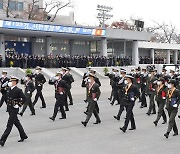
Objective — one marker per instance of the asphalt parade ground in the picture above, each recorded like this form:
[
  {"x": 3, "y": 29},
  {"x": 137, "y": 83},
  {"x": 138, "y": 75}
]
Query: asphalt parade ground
[{"x": 71, "y": 137}]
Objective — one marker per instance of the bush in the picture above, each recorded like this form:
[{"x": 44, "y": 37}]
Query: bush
[
  {"x": 105, "y": 70},
  {"x": 28, "y": 71}
]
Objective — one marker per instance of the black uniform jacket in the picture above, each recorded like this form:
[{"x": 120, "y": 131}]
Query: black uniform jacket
[
  {"x": 131, "y": 94},
  {"x": 15, "y": 96},
  {"x": 39, "y": 81}
]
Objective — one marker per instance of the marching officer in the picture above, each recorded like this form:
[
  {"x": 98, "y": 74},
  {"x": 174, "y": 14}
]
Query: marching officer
[
  {"x": 4, "y": 86},
  {"x": 84, "y": 81},
  {"x": 96, "y": 79},
  {"x": 39, "y": 81},
  {"x": 60, "y": 95},
  {"x": 92, "y": 98},
  {"x": 15, "y": 99},
  {"x": 66, "y": 78},
  {"x": 121, "y": 86},
  {"x": 151, "y": 86},
  {"x": 29, "y": 89},
  {"x": 173, "y": 98},
  {"x": 161, "y": 100},
  {"x": 71, "y": 80},
  {"x": 143, "y": 79},
  {"x": 110, "y": 75},
  {"x": 131, "y": 93},
  {"x": 115, "y": 87}
]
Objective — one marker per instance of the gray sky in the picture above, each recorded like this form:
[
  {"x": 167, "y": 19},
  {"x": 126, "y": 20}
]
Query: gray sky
[{"x": 148, "y": 10}]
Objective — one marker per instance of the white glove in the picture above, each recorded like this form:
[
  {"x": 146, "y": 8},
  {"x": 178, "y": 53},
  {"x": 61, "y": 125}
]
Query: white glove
[
  {"x": 175, "y": 105},
  {"x": 61, "y": 93},
  {"x": 16, "y": 106},
  {"x": 95, "y": 99},
  {"x": 39, "y": 85},
  {"x": 5, "y": 84},
  {"x": 132, "y": 99},
  {"x": 28, "y": 92}
]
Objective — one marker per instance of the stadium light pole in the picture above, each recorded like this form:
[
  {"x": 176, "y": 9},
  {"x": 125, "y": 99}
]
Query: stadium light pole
[{"x": 103, "y": 14}]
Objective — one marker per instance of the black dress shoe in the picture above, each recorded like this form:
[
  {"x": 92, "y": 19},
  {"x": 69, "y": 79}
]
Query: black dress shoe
[
  {"x": 84, "y": 123},
  {"x": 164, "y": 122},
  {"x": 70, "y": 103},
  {"x": 52, "y": 118},
  {"x": 112, "y": 103},
  {"x": 85, "y": 101},
  {"x": 97, "y": 122},
  {"x": 2, "y": 143},
  {"x": 42, "y": 107},
  {"x": 132, "y": 129},
  {"x": 117, "y": 118},
  {"x": 63, "y": 118},
  {"x": 166, "y": 135},
  {"x": 22, "y": 140},
  {"x": 178, "y": 116},
  {"x": 21, "y": 114},
  {"x": 153, "y": 113},
  {"x": 123, "y": 129},
  {"x": 67, "y": 109},
  {"x": 175, "y": 134},
  {"x": 148, "y": 114},
  {"x": 32, "y": 114},
  {"x": 155, "y": 123}
]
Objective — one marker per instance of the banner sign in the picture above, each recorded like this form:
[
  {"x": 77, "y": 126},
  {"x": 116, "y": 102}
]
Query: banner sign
[{"x": 51, "y": 28}]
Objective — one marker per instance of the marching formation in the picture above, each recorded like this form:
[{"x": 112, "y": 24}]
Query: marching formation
[
  {"x": 139, "y": 85},
  {"x": 161, "y": 90}
]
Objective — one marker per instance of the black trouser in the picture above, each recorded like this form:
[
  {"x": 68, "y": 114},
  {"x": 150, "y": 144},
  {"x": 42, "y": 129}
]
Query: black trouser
[
  {"x": 3, "y": 99},
  {"x": 68, "y": 92},
  {"x": 96, "y": 107},
  {"x": 66, "y": 102},
  {"x": 92, "y": 109},
  {"x": 129, "y": 115},
  {"x": 161, "y": 111},
  {"x": 115, "y": 96},
  {"x": 112, "y": 93},
  {"x": 59, "y": 105},
  {"x": 39, "y": 94},
  {"x": 13, "y": 120},
  {"x": 143, "y": 96},
  {"x": 151, "y": 104},
  {"x": 172, "y": 112},
  {"x": 121, "y": 109},
  {"x": 28, "y": 103}
]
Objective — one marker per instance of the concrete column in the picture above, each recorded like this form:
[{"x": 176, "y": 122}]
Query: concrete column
[
  {"x": 48, "y": 45},
  {"x": 33, "y": 44},
  {"x": 2, "y": 46},
  {"x": 152, "y": 55},
  {"x": 103, "y": 47},
  {"x": 175, "y": 56},
  {"x": 135, "y": 53},
  {"x": 168, "y": 56}
]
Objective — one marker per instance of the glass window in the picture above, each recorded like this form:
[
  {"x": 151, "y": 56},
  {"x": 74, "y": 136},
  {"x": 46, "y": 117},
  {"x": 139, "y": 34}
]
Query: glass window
[
  {"x": 1, "y": 4},
  {"x": 19, "y": 6},
  {"x": 12, "y": 5}
]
